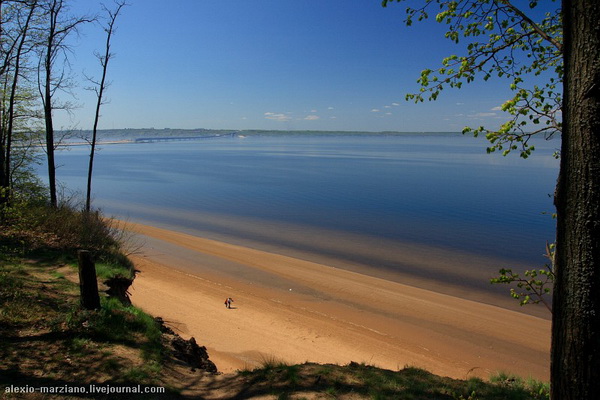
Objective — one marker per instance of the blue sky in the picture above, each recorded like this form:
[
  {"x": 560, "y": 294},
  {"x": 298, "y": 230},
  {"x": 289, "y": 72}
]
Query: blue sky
[{"x": 273, "y": 64}]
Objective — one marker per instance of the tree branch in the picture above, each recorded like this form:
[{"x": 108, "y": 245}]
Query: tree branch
[{"x": 533, "y": 25}]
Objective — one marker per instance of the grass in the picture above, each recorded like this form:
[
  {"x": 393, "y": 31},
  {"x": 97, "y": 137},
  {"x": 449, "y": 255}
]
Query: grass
[
  {"x": 361, "y": 381},
  {"x": 515, "y": 384},
  {"x": 47, "y": 339},
  {"x": 106, "y": 271},
  {"x": 116, "y": 323}
]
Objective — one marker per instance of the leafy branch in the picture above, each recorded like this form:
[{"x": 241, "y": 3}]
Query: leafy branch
[
  {"x": 514, "y": 46},
  {"x": 535, "y": 286}
]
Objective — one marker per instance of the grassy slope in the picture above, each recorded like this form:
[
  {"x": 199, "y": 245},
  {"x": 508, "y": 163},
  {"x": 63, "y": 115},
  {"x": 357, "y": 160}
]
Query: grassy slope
[{"x": 48, "y": 341}]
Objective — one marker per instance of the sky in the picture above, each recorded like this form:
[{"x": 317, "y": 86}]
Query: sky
[{"x": 273, "y": 65}]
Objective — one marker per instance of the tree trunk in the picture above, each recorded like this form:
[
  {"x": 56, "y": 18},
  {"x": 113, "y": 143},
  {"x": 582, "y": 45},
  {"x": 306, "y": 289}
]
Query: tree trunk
[
  {"x": 50, "y": 138},
  {"x": 100, "y": 92},
  {"x": 47, "y": 99},
  {"x": 3, "y": 184},
  {"x": 576, "y": 310},
  {"x": 50, "y": 158},
  {"x": 7, "y": 180}
]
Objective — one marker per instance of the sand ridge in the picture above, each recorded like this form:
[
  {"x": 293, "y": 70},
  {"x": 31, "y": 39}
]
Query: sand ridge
[{"x": 295, "y": 310}]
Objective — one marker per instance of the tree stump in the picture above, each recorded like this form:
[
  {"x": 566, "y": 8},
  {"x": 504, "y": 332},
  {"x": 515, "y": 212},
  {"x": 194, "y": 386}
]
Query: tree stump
[
  {"x": 88, "y": 285},
  {"x": 118, "y": 288}
]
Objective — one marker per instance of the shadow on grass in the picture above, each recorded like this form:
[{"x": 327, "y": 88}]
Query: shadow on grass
[{"x": 359, "y": 381}]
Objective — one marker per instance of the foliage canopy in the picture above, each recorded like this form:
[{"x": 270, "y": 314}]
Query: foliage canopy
[{"x": 501, "y": 40}]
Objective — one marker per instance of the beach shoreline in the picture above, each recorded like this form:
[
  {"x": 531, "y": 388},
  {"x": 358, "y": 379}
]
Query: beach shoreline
[{"x": 295, "y": 310}]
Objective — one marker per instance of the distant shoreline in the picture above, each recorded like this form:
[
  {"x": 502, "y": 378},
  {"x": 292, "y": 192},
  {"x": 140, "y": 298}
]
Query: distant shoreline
[
  {"x": 133, "y": 136},
  {"x": 129, "y": 135},
  {"x": 124, "y": 141},
  {"x": 200, "y": 131}
]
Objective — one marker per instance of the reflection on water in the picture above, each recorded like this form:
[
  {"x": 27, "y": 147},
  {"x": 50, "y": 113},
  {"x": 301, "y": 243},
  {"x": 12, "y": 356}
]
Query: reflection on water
[{"x": 436, "y": 191}]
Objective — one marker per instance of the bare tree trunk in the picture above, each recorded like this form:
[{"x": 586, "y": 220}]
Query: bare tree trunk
[
  {"x": 50, "y": 152},
  {"x": 11, "y": 104},
  {"x": 3, "y": 183},
  {"x": 576, "y": 304},
  {"x": 58, "y": 29},
  {"x": 2, "y": 135},
  {"x": 47, "y": 99},
  {"x": 100, "y": 93},
  {"x": 6, "y": 58}
]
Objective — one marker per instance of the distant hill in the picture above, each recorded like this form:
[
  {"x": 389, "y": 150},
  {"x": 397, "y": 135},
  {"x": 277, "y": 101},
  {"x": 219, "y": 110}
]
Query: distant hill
[{"x": 132, "y": 134}]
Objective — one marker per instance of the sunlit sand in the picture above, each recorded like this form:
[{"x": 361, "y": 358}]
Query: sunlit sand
[{"x": 295, "y": 311}]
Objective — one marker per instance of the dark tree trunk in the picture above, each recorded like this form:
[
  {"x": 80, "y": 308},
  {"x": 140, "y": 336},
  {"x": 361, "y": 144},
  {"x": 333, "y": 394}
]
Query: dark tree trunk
[
  {"x": 3, "y": 184},
  {"x": 50, "y": 127},
  {"x": 50, "y": 155},
  {"x": 575, "y": 370},
  {"x": 51, "y": 49},
  {"x": 58, "y": 29}
]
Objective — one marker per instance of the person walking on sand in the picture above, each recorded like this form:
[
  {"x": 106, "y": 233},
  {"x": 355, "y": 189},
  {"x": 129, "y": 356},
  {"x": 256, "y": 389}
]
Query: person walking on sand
[{"x": 228, "y": 302}]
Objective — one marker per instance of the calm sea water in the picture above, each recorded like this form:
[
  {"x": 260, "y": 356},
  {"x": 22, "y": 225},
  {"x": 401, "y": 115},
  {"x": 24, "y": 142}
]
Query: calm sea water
[{"x": 442, "y": 191}]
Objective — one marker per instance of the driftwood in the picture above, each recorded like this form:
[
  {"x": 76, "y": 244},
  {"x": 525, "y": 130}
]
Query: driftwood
[
  {"x": 118, "y": 288},
  {"x": 163, "y": 328}
]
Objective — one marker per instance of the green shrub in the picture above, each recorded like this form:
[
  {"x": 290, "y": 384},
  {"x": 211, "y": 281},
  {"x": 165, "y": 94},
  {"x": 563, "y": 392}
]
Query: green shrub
[{"x": 33, "y": 226}]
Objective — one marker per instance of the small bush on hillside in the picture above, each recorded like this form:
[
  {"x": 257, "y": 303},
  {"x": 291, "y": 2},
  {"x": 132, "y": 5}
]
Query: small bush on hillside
[{"x": 29, "y": 224}]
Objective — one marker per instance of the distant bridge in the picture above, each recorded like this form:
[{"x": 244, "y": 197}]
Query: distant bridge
[{"x": 179, "y": 138}]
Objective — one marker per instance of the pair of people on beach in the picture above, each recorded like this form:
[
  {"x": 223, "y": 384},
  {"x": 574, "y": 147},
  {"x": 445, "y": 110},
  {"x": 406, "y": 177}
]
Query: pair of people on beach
[{"x": 228, "y": 302}]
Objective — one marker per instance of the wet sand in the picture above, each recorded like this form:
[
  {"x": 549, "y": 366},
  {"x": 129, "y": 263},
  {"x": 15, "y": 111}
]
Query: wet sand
[{"x": 294, "y": 310}]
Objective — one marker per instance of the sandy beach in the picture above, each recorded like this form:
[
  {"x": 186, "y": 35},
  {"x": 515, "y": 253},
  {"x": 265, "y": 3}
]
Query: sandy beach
[{"x": 294, "y": 310}]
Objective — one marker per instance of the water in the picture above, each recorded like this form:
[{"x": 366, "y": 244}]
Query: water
[{"x": 309, "y": 194}]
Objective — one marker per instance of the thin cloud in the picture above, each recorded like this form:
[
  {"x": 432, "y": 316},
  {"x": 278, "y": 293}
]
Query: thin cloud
[
  {"x": 375, "y": 110},
  {"x": 311, "y": 117},
  {"x": 277, "y": 116},
  {"x": 396, "y": 104},
  {"x": 483, "y": 115},
  {"x": 497, "y": 108}
]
